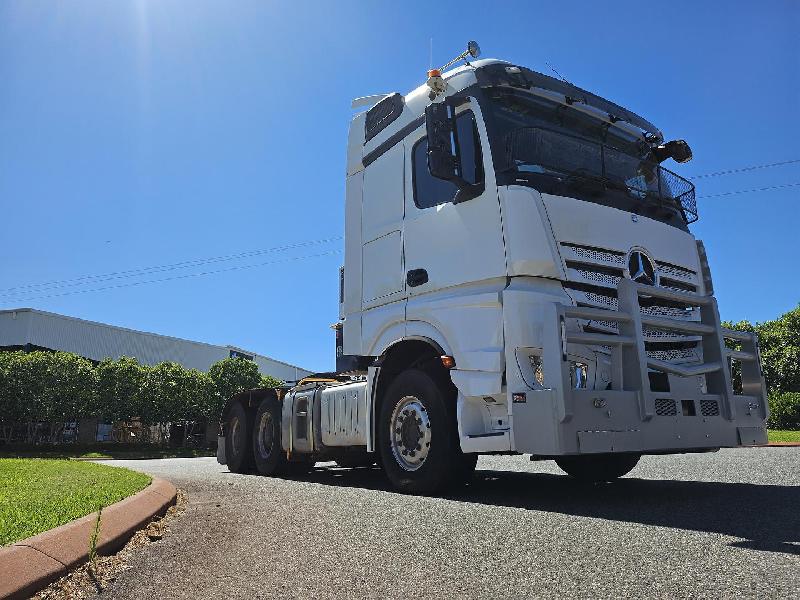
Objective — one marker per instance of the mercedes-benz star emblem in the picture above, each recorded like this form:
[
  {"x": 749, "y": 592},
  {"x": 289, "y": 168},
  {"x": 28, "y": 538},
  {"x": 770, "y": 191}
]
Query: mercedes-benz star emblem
[{"x": 641, "y": 268}]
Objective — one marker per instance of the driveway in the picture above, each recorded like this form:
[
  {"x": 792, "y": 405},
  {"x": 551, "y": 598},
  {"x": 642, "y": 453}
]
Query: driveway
[{"x": 722, "y": 524}]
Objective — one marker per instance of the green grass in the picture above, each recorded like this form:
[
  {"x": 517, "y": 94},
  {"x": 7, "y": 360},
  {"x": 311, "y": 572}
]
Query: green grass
[
  {"x": 783, "y": 436},
  {"x": 39, "y": 494},
  {"x": 110, "y": 450}
]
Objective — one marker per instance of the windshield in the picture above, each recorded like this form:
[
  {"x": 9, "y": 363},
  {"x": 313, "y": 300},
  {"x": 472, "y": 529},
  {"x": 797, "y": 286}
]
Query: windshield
[{"x": 564, "y": 152}]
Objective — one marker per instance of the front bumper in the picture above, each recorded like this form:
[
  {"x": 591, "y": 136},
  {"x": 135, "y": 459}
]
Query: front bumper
[{"x": 629, "y": 416}]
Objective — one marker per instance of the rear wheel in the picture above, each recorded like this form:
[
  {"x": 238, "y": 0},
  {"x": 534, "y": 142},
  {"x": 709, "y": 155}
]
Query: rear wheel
[
  {"x": 418, "y": 437},
  {"x": 269, "y": 456},
  {"x": 238, "y": 451},
  {"x": 594, "y": 468}
]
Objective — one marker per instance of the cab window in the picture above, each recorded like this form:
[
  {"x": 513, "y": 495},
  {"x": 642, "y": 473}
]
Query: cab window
[{"x": 430, "y": 191}]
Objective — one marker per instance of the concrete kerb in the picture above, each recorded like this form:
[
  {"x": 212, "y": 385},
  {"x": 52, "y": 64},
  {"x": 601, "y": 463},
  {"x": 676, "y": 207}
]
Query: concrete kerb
[{"x": 29, "y": 565}]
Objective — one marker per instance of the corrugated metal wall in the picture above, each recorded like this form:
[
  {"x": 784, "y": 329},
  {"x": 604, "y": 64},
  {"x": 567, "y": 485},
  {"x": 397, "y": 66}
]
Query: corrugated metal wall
[{"x": 97, "y": 341}]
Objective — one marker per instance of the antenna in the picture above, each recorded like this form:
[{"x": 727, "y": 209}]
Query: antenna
[
  {"x": 559, "y": 75},
  {"x": 430, "y": 56}
]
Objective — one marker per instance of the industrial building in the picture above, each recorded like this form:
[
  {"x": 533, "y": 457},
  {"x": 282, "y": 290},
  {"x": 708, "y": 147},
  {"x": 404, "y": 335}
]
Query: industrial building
[{"x": 31, "y": 329}]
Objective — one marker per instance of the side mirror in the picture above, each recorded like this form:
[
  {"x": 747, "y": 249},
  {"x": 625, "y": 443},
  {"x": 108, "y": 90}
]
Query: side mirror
[
  {"x": 440, "y": 126},
  {"x": 444, "y": 160},
  {"x": 677, "y": 150}
]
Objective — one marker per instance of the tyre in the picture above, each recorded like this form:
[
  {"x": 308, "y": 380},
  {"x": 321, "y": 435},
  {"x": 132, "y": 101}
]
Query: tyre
[
  {"x": 270, "y": 459},
  {"x": 594, "y": 468},
  {"x": 467, "y": 466},
  {"x": 417, "y": 433},
  {"x": 238, "y": 450}
]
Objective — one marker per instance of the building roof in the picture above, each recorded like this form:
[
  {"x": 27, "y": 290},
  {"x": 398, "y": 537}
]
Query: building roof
[{"x": 21, "y": 327}]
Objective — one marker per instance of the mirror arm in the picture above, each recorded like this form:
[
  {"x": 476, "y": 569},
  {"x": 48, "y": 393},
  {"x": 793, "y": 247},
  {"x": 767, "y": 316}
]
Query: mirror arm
[{"x": 468, "y": 191}]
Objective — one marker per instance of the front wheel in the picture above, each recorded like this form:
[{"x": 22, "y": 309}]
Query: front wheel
[
  {"x": 418, "y": 437},
  {"x": 595, "y": 468}
]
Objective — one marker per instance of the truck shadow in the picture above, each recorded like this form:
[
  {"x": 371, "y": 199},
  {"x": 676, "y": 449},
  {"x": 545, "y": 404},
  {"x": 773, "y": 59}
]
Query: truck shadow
[{"x": 766, "y": 517}]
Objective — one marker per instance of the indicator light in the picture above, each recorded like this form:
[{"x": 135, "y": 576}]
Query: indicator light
[{"x": 448, "y": 362}]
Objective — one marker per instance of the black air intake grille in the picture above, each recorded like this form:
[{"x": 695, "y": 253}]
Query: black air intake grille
[
  {"x": 709, "y": 408},
  {"x": 380, "y": 115},
  {"x": 665, "y": 407}
]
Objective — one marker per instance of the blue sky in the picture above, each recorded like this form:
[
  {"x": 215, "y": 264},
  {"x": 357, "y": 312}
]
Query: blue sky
[{"x": 142, "y": 134}]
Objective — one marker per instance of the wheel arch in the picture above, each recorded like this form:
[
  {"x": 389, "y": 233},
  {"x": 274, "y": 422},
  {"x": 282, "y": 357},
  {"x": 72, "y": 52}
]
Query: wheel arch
[{"x": 406, "y": 353}]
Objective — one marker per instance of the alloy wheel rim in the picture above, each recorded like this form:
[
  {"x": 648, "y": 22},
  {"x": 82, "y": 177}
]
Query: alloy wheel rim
[{"x": 410, "y": 433}]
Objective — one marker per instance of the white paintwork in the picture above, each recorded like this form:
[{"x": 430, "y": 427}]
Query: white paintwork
[
  {"x": 455, "y": 243},
  {"x": 591, "y": 224},
  {"x": 530, "y": 248},
  {"x": 496, "y": 266},
  {"x": 383, "y": 277}
]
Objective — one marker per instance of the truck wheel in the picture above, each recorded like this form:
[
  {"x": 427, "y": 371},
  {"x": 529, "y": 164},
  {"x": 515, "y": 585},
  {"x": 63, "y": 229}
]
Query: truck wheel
[
  {"x": 594, "y": 468},
  {"x": 269, "y": 456},
  {"x": 468, "y": 464},
  {"x": 418, "y": 437},
  {"x": 238, "y": 451}
]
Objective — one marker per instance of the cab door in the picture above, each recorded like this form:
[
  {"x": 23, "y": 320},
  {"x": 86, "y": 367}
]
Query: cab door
[
  {"x": 448, "y": 244},
  {"x": 383, "y": 279}
]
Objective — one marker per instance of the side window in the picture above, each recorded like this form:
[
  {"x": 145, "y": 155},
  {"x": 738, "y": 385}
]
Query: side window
[{"x": 430, "y": 191}]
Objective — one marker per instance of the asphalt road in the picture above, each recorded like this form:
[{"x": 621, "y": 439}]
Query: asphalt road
[{"x": 724, "y": 524}]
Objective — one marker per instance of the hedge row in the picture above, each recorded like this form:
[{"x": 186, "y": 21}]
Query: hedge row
[
  {"x": 784, "y": 411},
  {"x": 59, "y": 387}
]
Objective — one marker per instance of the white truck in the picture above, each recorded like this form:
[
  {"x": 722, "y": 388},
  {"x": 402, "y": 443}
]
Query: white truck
[{"x": 519, "y": 277}]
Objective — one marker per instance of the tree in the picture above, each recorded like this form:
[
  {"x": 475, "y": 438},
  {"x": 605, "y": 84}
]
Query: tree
[
  {"x": 268, "y": 381},
  {"x": 10, "y": 394},
  {"x": 119, "y": 383},
  {"x": 779, "y": 341},
  {"x": 231, "y": 376},
  {"x": 52, "y": 387},
  {"x": 780, "y": 351},
  {"x": 161, "y": 394}
]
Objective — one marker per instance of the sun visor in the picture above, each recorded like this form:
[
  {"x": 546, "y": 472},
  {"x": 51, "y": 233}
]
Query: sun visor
[{"x": 521, "y": 77}]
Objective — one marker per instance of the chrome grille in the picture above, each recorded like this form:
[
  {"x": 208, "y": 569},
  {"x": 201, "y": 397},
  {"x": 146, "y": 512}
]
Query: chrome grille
[
  {"x": 596, "y": 273},
  {"x": 597, "y": 255},
  {"x": 599, "y": 277},
  {"x": 675, "y": 355},
  {"x": 676, "y": 271}
]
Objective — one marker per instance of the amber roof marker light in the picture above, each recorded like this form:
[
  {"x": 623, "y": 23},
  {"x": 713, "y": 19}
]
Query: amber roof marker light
[{"x": 435, "y": 80}]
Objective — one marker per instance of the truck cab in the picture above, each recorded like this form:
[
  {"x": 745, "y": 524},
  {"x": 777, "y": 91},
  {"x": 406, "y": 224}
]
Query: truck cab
[{"x": 520, "y": 277}]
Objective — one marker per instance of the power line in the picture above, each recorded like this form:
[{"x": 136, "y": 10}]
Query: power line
[
  {"x": 127, "y": 274},
  {"x": 763, "y": 189},
  {"x": 744, "y": 169},
  {"x": 174, "y": 278}
]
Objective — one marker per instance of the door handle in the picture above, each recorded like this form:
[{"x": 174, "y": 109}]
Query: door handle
[{"x": 416, "y": 277}]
